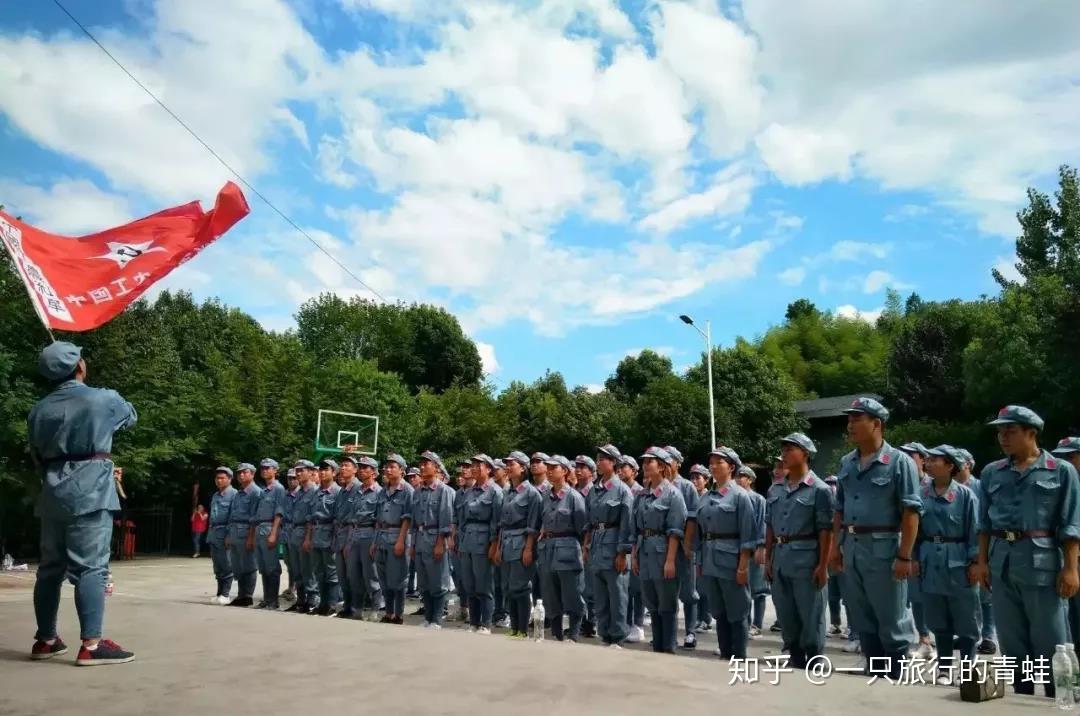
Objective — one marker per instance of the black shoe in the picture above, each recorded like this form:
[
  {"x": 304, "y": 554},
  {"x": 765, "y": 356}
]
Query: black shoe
[
  {"x": 987, "y": 646},
  {"x": 309, "y": 610},
  {"x": 262, "y": 605},
  {"x": 691, "y": 642},
  {"x": 588, "y": 630},
  {"x": 107, "y": 652},
  {"x": 397, "y": 620},
  {"x": 323, "y": 611},
  {"x": 775, "y": 627},
  {"x": 242, "y": 602},
  {"x": 295, "y": 608},
  {"x": 412, "y": 595},
  {"x": 419, "y": 612}
]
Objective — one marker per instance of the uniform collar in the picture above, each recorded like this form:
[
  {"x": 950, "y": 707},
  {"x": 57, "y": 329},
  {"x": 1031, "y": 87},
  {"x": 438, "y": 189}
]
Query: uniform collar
[
  {"x": 366, "y": 490},
  {"x": 1045, "y": 461},
  {"x": 586, "y": 489},
  {"x": 722, "y": 491},
  {"x": 558, "y": 495},
  {"x": 250, "y": 488},
  {"x": 949, "y": 495},
  {"x": 610, "y": 483},
  {"x": 883, "y": 454},
  {"x": 392, "y": 489},
  {"x": 521, "y": 486}
]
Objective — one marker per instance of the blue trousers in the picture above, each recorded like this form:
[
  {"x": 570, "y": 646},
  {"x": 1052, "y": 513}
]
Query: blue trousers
[
  {"x": 269, "y": 565},
  {"x": 478, "y": 579},
  {"x": 243, "y": 564},
  {"x": 834, "y": 600},
  {"x": 801, "y": 609},
  {"x": 661, "y": 599},
  {"x": 308, "y": 580},
  {"x": 325, "y": 571},
  {"x": 562, "y": 591},
  {"x": 635, "y": 608},
  {"x": 1031, "y": 621},
  {"x": 76, "y": 548},
  {"x": 219, "y": 558},
  {"x": 610, "y": 598},
  {"x": 393, "y": 573},
  {"x": 877, "y": 603},
  {"x": 730, "y": 605},
  {"x": 433, "y": 578},
  {"x": 363, "y": 577},
  {"x": 686, "y": 574}
]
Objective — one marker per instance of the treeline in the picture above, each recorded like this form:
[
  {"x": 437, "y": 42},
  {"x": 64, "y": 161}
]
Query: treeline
[{"x": 212, "y": 386}]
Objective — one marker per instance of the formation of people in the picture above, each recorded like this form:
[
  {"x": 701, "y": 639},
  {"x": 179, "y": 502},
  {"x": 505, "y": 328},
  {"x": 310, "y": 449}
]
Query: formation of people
[{"x": 919, "y": 551}]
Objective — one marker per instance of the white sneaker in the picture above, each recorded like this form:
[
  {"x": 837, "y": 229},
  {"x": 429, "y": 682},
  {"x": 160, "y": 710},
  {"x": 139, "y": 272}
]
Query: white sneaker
[
  {"x": 503, "y": 623},
  {"x": 433, "y": 625},
  {"x": 222, "y": 601},
  {"x": 716, "y": 652},
  {"x": 425, "y": 625},
  {"x": 483, "y": 630},
  {"x": 636, "y": 635},
  {"x": 648, "y": 619},
  {"x": 923, "y": 651},
  {"x": 614, "y": 646},
  {"x": 852, "y": 647},
  {"x": 754, "y": 633},
  {"x": 469, "y": 629},
  {"x": 195, "y": 556}
]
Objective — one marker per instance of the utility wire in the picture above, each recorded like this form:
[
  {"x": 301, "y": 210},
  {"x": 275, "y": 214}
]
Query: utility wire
[{"x": 214, "y": 154}]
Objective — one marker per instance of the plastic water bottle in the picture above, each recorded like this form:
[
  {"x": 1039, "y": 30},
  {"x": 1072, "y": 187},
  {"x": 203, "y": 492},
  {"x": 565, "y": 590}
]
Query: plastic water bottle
[
  {"x": 1076, "y": 671},
  {"x": 8, "y": 562},
  {"x": 1063, "y": 678},
  {"x": 108, "y": 584},
  {"x": 538, "y": 621}
]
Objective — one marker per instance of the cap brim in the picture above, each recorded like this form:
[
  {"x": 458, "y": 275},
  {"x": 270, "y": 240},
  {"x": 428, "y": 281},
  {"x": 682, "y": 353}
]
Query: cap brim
[
  {"x": 1003, "y": 421},
  {"x": 1064, "y": 451}
]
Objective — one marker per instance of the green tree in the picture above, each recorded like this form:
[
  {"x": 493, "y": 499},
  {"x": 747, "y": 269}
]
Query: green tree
[
  {"x": 673, "y": 411},
  {"x": 636, "y": 372},
  {"x": 754, "y": 401},
  {"x": 1049, "y": 241}
]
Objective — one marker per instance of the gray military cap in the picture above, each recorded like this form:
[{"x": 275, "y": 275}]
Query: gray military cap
[
  {"x": 291, "y": 472},
  {"x": 412, "y": 471},
  {"x": 58, "y": 360},
  {"x": 482, "y": 457},
  {"x": 967, "y": 456},
  {"x": 499, "y": 464},
  {"x": 518, "y": 457},
  {"x": 629, "y": 460},
  {"x": 586, "y": 461},
  {"x": 728, "y": 454},
  {"x": 950, "y": 453},
  {"x": 674, "y": 452},
  {"x": 561, "y": 461},
  {"x": 269, "y": 462},
  {"x": 328, "y": 462},
  {"x": 1067, "y": 446},
  {"x": 610, "y": 451},
  {"x": 349, "y": 457},
  {"x": 541, "y": 456},
  {"x": 657, "y": 453},
  {"x": 394, "y": 457},
  {"x": 368, "y": 461},
  {"x": 699, "y": 470},
  {"x": 245, "y": 466},
  {"x": 915, "y": 447},
  {"x": 1018, "y": 415},
  {"x": 800, "y": 440},
  {"x": 225, "y": 470},
  {"x": 870, "y": 407},
  {"x": 304, "y": 465},
  {"x": 746, "y": 471}
]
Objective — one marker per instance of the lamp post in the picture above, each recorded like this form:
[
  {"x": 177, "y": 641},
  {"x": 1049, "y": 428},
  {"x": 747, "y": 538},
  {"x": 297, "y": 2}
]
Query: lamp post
[{"x": 707, "y": 335}]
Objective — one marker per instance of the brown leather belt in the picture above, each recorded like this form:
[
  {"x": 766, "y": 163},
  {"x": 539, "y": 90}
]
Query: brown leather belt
[
  {"x": 784, "y": 539},
  {"x": 1014, "y": 535},
  {"x": 721, "y": 535}
]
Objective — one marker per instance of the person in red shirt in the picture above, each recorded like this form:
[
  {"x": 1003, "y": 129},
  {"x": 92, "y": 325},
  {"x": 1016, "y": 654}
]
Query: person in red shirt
[{"x": 199, "y": 521}]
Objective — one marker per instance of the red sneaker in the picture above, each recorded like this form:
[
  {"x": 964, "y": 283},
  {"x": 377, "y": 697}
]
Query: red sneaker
[
  {"x": 107, "y": 652},
  {"x": 43, "y": 650}
]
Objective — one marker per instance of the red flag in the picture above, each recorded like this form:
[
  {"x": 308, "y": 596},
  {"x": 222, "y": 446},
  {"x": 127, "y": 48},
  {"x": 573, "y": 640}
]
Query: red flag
[{"x": 77, "y": 284}]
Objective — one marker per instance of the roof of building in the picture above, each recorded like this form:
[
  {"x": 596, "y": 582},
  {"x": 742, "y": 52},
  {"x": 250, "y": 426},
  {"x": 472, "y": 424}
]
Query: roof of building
[{"x": 831, "y": 407}]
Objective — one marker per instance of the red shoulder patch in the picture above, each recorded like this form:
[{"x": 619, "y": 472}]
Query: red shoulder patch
[
  {"x": 885, "y": 459},
  {"x": 1051, "y": 463},
  {"x": 950, "y": 496}
]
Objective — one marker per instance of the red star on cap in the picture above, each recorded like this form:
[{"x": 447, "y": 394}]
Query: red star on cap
[{"x": 1003, "y": 411}]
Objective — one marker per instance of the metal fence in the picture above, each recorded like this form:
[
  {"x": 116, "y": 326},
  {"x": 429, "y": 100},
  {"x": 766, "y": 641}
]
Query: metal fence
[{"x": 142, "y": 531}]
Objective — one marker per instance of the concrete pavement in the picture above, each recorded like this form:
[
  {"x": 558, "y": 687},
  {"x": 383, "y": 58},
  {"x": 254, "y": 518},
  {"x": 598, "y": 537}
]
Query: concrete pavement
[{"x": 193, "y": 657}]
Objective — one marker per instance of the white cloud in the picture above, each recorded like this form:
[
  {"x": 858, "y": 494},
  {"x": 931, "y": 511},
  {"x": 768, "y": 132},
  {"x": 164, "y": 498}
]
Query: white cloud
[
  {"x": 1006, "y": 266},
  {"x": 67, "y": 207},
  {"x": 487, "y": 357},
  {"x": 878, "y": 280},
  {"x": 729, "y": 195},
  {"x": 930, "y": 105},
  {"x": 798, "y": 156},
  {"x": 849, "y": 311},
  {"x": 792, "y": 276},
  {"x": 858, "y": 251},
  {"x": 907, "y": 212},
  {"x": 594, "y": 388},
  {"x": 230, "y": 84}
]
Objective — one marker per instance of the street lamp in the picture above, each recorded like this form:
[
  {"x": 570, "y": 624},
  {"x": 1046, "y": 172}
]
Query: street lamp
[{"x": 707, "y": 335}]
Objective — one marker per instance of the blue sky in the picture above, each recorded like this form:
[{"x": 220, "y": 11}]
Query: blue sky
[{"x": 566, "y": 176}]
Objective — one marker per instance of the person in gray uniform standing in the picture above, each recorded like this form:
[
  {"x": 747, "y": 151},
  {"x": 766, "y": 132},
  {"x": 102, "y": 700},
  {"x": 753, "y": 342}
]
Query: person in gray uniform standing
[
  {"x": 609, "y": 540},
  {"x": 798, "y": 544},
  {"x": 519, "y": 526},
  {"x": 686, "y": 563},
  {"x": 368, "y": 598},
  {"x": 477, "y": 538},
  {"x": 241, "y": 538},
  {"x": 393, "y": 511},
  {"x": 220, "y": 505},
  {"x": 267, "y": 521},
  {"x": 320, "y": 539},
  {"x": 432, "y": 522},
  {"x": 561, "y": 566}
]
